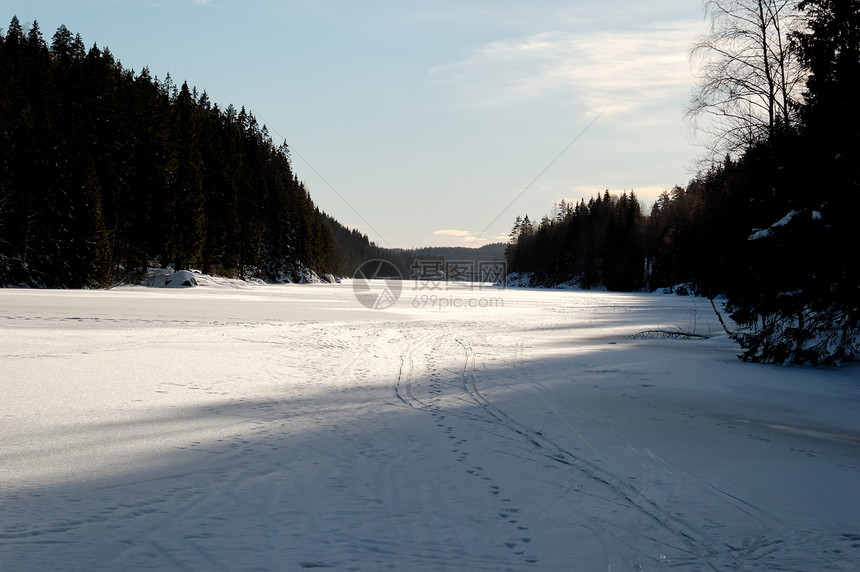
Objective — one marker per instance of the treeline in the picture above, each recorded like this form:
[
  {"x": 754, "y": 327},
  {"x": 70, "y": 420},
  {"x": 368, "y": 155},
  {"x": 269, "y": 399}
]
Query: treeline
[
  {"x": 103, "y": 170},
  {"x": 590, "y": 244},
  {"x": 774, "y": 231},
  {"x": 696, "y": 235}
]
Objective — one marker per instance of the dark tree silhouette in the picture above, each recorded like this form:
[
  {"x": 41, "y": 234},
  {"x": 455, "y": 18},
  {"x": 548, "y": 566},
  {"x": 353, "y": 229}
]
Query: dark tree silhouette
[{"x": 103, "y": 171}]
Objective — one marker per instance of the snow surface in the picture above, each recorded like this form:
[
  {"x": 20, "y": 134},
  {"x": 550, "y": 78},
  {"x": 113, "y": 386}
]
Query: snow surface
[{"x": 241, "y": 426}]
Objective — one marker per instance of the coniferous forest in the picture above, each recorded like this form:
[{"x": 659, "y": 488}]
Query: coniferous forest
[
  {"x": 773, "y": 226},
  {"x": 104, "y": 170}
]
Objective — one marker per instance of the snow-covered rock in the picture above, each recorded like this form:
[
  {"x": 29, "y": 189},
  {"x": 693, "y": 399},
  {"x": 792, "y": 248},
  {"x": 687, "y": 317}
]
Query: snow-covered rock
[{"x": 160, "y": 278}]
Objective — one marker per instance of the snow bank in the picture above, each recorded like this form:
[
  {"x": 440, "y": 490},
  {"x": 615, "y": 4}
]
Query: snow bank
[
  {"x": 526, "y": 280},
  {"x": 519, "y": 279},
  {"x": 683, "y": 289},
  {"x": 167, "y": 278}
]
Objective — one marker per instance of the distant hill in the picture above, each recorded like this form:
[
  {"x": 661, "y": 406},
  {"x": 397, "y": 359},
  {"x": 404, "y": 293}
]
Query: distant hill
[{"x": 489, "y": 252}]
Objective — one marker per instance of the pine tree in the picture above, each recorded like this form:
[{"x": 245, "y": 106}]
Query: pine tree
[{"x": 186, "y": 219}]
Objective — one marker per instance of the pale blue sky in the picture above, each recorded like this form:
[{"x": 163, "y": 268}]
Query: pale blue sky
[{"x": 428, "y": 118}]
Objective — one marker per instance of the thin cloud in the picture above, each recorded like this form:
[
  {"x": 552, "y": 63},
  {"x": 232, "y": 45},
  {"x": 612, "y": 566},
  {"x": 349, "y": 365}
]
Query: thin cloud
[
  {"x": 467, "y": 237},
  {"x": 452, "y": 232},
  {"x": 619, "y": 72}
]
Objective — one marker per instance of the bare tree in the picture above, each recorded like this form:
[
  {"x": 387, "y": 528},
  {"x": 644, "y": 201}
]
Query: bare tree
[{"x": 748, "y": 77}]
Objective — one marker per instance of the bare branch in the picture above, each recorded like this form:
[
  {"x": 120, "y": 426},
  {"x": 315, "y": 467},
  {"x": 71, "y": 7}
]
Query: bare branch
[{"x": 748, "y": 75}]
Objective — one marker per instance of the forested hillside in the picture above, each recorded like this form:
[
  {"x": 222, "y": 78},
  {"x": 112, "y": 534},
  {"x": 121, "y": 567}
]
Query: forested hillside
[
  {"x": 773, "y": 226},
  {"x": 104, "y": 170}
]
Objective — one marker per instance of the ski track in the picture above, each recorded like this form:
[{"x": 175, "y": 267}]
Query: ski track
[
  {"x": 424, "y": 444},
  {"x": 676, "y": 539}
]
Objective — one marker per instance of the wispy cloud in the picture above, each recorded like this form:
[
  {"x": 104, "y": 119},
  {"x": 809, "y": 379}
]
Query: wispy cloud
[
  {"x": 467, "y": 237},
  {"x": 619, "y": 72},
  {"x": 451, "y": 232}
]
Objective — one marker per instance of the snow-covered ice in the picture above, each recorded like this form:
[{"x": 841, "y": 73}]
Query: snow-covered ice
[{"x": 248, "y": 427}]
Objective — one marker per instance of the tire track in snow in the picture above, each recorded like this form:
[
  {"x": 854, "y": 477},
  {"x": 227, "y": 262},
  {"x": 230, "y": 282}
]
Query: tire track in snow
[
  {"x": 406, "y": 371},
  {"x": 700, "y": 547}
]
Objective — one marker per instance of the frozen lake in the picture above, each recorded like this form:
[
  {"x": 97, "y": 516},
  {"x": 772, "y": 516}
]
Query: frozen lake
[{"x": 251, "y": 427}]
